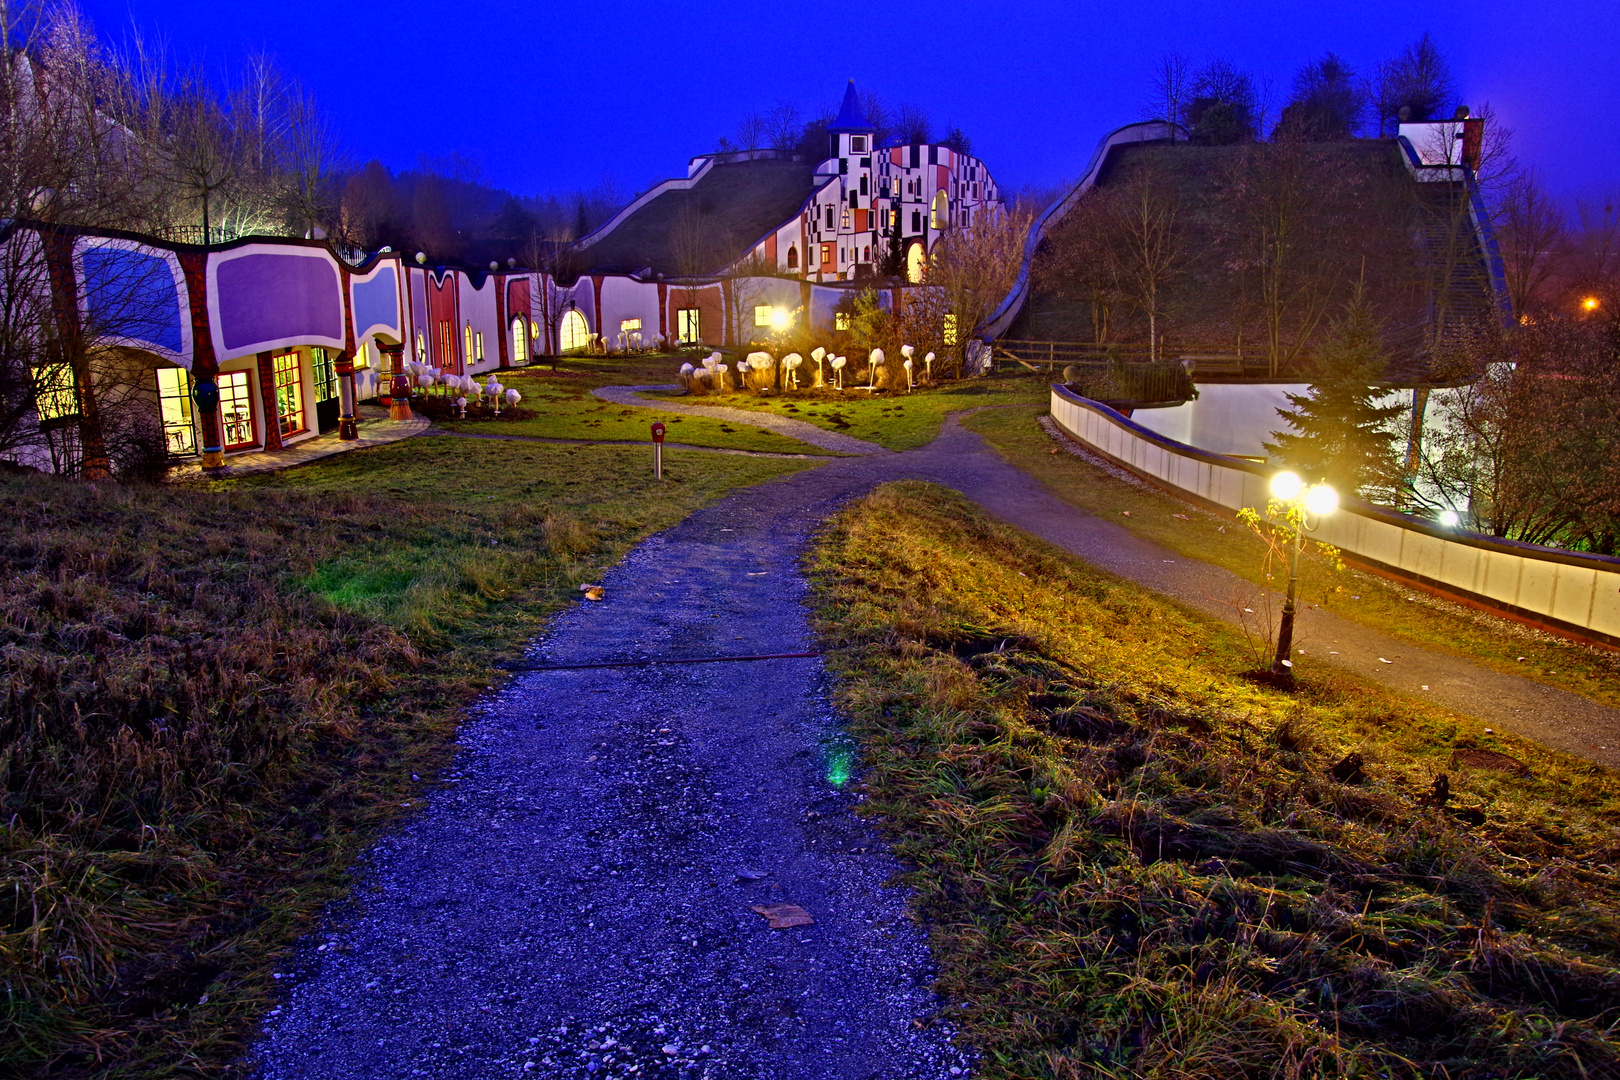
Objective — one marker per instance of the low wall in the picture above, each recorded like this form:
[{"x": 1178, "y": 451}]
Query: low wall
[{"x": 1568, "y": 590}]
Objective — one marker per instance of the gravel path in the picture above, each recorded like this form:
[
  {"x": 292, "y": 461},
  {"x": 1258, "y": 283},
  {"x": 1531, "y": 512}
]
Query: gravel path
[
  {"x": 782, "y": 425},
  {"x": 575, "y": 901}
]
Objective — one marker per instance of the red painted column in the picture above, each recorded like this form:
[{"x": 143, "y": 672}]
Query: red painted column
[
  {"x": 663, "y": 311},
  {"x": 501, "y": 329},
  {"x": 204, "y": 366},
  {"x": 399, "y": 390},
  {"x": 267, "y": 395}
]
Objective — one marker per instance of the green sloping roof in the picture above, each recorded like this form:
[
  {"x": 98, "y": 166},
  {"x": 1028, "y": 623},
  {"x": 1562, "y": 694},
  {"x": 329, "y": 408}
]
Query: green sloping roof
[{"x": 707, "y": 227}]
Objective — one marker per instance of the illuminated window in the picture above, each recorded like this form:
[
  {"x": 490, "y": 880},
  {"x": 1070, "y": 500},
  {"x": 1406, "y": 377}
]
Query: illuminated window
[
  {"x": 421, "y": 349},
  {"x": 478, "y": 346},
  {"x": 843, "y": 222},
  {"x": 56, "y": 394},
  {"x": 762, "y": 314},
  {"x": 941, "y": 212},
  {"x": 829, "y": 260},
  {"x": 916, "y": 264},
  {"x": 467, "y": 342},
  {"x": 948, "y": 331},
  {"x": 323, "y": 370},
  {"x": 289, "y": 393},
  {"x": 362, "y": 355},
  {"x": 627, "y": 325},
  {"x": 177, "y": 411},
  {"x": 447, "y": 347},
  {"x": 840, "y": 320},
  {"x": 575, "y": 332},
  {"x": 520, "y": 341},
  {"x": 688, "y": 325},
  {"x": 236, "y": 410}
]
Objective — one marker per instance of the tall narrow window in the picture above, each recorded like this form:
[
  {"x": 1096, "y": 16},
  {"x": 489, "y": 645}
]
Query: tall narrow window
[
  {"x": 323, "y": 369},
  {"x": 941, "y": 212},
  {"x": 289, "y": 393},
  {"x": 467, "y": 341},
  {"x": 236, "y": 410},
  {"x": 520, "y": 341},
  {"x": 478, "y": 346},
  {"x": 688, "y": 325},
  {"x": 176, "y": 411},
  {"x": 792, "y": 257},
  {"x": 829, "y": 257}
]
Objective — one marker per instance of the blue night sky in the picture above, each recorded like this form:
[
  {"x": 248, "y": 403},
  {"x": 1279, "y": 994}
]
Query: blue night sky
[{"x": 551, "y": 97}]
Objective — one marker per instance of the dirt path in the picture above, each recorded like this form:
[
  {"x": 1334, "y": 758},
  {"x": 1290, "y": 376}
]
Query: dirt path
[
  {"x": 576, "y": 900},
  {"x": 782, "y": 425}
]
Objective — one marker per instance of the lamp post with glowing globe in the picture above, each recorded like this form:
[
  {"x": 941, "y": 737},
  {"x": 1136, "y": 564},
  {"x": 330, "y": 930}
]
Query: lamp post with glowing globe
[{"x": 1300, "y": 506}]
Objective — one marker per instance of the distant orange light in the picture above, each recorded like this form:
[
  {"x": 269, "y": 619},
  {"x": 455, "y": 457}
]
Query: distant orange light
[{"x": 1590, "y": 303}]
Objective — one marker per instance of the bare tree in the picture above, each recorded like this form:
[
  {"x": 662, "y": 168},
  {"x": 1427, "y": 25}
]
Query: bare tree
[
  {"x": 1530, "y": 235},
  {"x": 971, "y": 271},
  {"x": 312, "y": 159},
  {"x": 783, "y": 127},
  {"x": 912, "y": 124},
  {"x": 1169, "y": 86}
]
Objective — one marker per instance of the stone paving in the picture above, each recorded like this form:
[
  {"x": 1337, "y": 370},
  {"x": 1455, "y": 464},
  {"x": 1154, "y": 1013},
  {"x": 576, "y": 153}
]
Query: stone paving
[{"x": 375, "y": 429}]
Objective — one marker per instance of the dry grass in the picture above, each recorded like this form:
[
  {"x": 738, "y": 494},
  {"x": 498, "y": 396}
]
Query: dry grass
[
  {"x": 1379, "y": 602},
  {"x": 1138, "y": 863},
  {"x": 215, "y": 696}
]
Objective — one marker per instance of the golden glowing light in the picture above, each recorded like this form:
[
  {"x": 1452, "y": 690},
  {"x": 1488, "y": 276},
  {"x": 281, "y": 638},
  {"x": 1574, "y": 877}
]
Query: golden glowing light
[
  {"x": 781, "y": 319},
  {"x": 1287, "y": 486},
  {"x": 1321, "y": 500},
  {"x": 1589, "y": 304}
]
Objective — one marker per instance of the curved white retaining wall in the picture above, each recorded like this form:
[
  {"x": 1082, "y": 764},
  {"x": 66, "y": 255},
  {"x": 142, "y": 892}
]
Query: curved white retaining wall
[{"x": 1572, "y": 590}]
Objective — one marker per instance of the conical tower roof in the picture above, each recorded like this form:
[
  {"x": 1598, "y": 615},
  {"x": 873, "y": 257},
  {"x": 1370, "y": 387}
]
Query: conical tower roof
[{"x": 851, "y": 117}]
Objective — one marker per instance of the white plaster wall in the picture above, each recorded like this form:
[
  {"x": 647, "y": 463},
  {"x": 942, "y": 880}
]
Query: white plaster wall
[
  {"x": 624, "y": 298},
  {"x": 478, "y": 308},
  {"x": 1582, "y": 595},
  {"x": 1225, "y": 418}
]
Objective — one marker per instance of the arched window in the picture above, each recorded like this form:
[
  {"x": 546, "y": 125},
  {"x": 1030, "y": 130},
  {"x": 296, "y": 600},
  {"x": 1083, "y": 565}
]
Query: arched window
[
  {"x": 520, "y": 341},
  {"x": 866, "y": 254},
  {"x": 574, "y": 332},
  {"x": 916, "y": 264},
  {"x": 941, "y": 212},
  {"x": 793, "y": 257}
]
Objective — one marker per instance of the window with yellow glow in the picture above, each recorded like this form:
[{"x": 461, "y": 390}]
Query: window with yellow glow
[
  {"x": 236, "y": 410},
  {"x": 688, "y": 325},
  {"x": 467, "y": 342},
  {"x": 948, "y": 331},
  {"x": 627, "y": 325},
  {"x": 56, "y": 393},
  {"x": 478, "y": 346},
  {"x": 574, "y": 333},
  {"x": 763, "y": 314},
  {"x": 940, "y": 217},
  {"x": 289, "y": 393},
  {"x": 520, "y": 341},
  {"x": 840, "y": 320},
  {"x": 177, "y": 411}
]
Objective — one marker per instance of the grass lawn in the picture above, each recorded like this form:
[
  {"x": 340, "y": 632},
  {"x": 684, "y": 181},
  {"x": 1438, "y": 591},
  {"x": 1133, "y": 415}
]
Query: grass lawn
[
  {"x": 1364, "y": 598},
  {"x": 559, "y": 405},
  {"x": 896, "y": 421},
  {"x": 216, "y": 695},
  {"x": 1138, "y": 863}
]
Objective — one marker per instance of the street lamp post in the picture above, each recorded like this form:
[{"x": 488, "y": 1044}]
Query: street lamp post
[{"x": 1302, "y": 504}]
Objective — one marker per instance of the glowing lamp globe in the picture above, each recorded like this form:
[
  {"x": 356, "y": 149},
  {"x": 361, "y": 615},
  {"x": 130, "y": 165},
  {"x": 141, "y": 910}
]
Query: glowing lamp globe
[
  {"x": 1449, "y": 518},
  {"x": 1287, "y": 486},
  {"x": 780, "y": 319},
  {"x": 1321, "y": 500}
]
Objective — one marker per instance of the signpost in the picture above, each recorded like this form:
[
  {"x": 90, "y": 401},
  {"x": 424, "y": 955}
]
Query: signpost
[{"x": 658, "y": 451}]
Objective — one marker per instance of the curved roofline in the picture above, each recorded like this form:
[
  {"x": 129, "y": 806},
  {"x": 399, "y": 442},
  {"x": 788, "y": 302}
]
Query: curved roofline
[{"x": 1139, "y": 132}]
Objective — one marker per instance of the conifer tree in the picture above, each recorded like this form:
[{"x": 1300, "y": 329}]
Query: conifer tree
[{"x": 1341, "y": 434}]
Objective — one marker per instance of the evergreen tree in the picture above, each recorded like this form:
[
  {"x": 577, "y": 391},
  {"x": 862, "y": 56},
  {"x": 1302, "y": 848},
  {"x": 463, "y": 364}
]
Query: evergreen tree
[{"x": 1341, "y": 434}]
